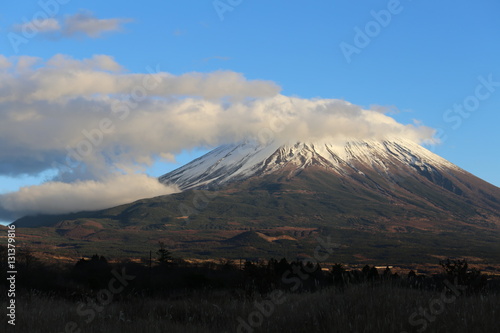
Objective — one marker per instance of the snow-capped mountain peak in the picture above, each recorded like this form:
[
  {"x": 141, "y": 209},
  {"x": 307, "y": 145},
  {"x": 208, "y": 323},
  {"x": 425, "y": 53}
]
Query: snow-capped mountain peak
[{"x": 239, "y": 161}]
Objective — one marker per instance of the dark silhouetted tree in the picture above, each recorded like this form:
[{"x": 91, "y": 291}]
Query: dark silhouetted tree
[{"x": 164, "y": 255}]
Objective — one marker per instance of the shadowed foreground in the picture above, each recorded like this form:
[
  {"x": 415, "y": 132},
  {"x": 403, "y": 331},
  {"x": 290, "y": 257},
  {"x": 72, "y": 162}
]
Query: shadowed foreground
[
  {"x": 94, "y": 295},
  {"x": 360, "y": 308}
]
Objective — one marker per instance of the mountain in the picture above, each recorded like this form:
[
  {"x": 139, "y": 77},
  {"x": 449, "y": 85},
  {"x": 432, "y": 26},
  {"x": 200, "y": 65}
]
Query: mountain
[
  {"x": 382, "y": 201},
  {"x": 240, "y": 161},
  {"x": 400, "y": 172}
]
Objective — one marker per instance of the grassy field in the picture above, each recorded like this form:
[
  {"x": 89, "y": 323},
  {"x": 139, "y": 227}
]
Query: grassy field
[{"x": 359, "y": 308}]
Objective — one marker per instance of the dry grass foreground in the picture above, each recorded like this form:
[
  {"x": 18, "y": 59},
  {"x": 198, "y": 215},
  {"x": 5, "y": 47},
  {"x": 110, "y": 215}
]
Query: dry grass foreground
[{"x": 359, "y": 308}]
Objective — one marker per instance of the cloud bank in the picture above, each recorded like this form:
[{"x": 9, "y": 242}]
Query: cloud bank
[
  {"x": 58, "y": 197},
  {"x": 92, "y": 121}
]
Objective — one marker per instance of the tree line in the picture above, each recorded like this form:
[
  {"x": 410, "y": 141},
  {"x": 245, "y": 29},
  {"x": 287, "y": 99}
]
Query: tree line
[{"x": 166, "y": 275}]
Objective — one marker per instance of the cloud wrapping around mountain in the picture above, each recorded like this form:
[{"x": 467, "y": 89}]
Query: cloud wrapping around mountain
[
  {"x": 59, "y": 198},
  {"x": 91, "y": 120}
]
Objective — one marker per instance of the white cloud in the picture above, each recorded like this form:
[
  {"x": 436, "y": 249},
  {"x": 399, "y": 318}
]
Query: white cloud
[
  {"x": 25, "y": 63},
  {"x": 60, "y": 198},
  {"x": 91, "y": 120},
  {"x": 44, "y": 25},
  {"x": 48, "y": 25},
  {"x": 86, "y": 23},
  {"x": 97, "y": 62},
  {"x": 65, "y": 78},
  {"x": 4, "y": 62},
  {"x": 83, "y": 23}
]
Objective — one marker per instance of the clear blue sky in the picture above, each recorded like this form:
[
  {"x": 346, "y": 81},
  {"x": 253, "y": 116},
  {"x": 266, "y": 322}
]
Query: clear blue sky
[{"x": 427, "y": 57}]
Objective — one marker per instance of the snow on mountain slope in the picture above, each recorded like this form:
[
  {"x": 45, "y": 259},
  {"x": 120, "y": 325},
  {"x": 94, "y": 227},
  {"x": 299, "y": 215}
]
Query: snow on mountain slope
[{"x": 240, "y": 161}]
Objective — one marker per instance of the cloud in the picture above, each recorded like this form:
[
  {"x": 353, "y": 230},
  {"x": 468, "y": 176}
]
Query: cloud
[
  {"x": 220, "y": 58},
  {"x": 63, "y": 78},
  {"x": 88, "y": 112},
  {"x": 179, "y": 32},
  {"x": 86, "y": 23},
  {"x": 60, "y": 198},
  {"x": 83, "y": 23},
  {"x": 4, "y": 63},
  {"x": 91, "y": 116},
  {"x": 43, "y": 25},
  {"x": 386, "y": 109},
  {"x": 91, "y": 120}
]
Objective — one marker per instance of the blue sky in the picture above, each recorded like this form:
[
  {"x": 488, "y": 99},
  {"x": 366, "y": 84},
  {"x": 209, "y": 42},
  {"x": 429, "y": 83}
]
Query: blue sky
[{"x": 422, "y": 60}]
